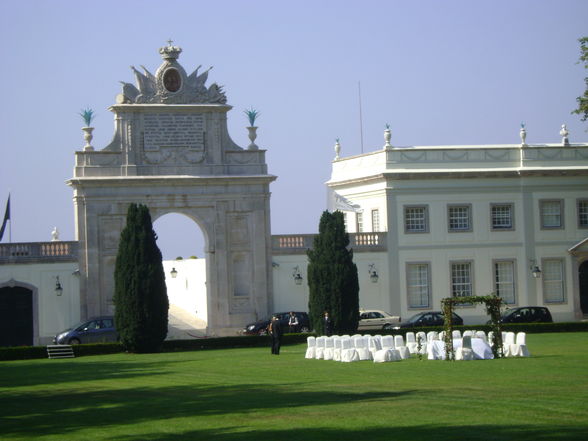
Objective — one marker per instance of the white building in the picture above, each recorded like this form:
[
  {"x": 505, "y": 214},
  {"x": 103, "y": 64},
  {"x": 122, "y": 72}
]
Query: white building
[{"x": 473, "y": 220}]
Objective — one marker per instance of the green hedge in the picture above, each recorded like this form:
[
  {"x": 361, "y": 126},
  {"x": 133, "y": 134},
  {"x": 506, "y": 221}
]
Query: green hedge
[{"x": 29, "y": 352}]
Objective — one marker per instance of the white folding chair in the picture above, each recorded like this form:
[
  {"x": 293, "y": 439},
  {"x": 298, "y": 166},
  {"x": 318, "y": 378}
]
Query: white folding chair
[
  {"x": 411, "y": 343},
  {"x": 401, "y": 347},
  {"x": 310, "y": 347},
  {"x": 374, "y": 345},
  {"x": 361, "y": 346},
  {"x": 320, "y": 347},
  {"x": 508, "y": 342},
  {"x": 348, "y": 352},
  {"x": 422, "y": 337},
  {"x": 482, "y": 335},
  {"x": 465, "y": 352},
  {"x": 337, "y": 348},
  {"x": 329, "y": 348},
  {"x": 519, "y": 349}
]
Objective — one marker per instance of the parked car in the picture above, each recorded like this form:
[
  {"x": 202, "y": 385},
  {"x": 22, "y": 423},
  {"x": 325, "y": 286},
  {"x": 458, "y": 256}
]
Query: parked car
[
  {"x": 429, "y": 318},
  {"x": 260, "y": 326},
  {"x": 374, "y": 319},
  {"x": 94, "y": 330},
  {"x": 526, "y": 314}
]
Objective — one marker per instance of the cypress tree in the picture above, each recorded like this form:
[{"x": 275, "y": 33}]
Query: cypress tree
[
  {"x": 140, "y": 293},
  {"x": 332, "y": 277}
]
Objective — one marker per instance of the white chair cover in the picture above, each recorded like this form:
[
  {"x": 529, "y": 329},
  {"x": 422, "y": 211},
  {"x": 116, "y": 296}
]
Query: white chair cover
[
  {"x": 432, "y": 335},
  {"x": 441, "y": 336},
  {"x": 482, "y": 335},
  {"x": 361, "y": 346},
  {"x": 401, "y": 347},
  {"x": 310, "y": 347},
  {"x": 423, "y": 340},
  {"x": 329, "y": 348},
  {"x": 388, "y": 342},
  {"x": 468, "y": 332},
  {"x": 491, "y": 338},
  {"x": 411, "y": 343},
  {"x": 348, "y": 352},
  {"x": 508, "y": 342},
  {"x": 456, "y": 334},
  {"x": 464, "y": 352},
  {"x": 337, "y": 348},
  {"x": 384, "y": 355},
  {"x": 519, "y": 349},
  {"x": 374, "y": 345},
  {"x": 320, "y": 347}
]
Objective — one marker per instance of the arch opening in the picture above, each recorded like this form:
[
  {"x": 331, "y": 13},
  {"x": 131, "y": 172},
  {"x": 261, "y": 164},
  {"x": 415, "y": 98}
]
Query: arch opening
[
  {"x": 583, "y": 276},
  {"x": 182, "y": 243},
  {"x": 16, "y": 316}
]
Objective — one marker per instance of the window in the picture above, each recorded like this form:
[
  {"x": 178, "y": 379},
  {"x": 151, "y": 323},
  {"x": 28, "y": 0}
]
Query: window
[
  {"x": 551, "y": 213},
  {"x": 502, "y": 216},
  {"x": 375, "y": 221},
  {"x": 504, "y": 281},
  {"x": 461, "y": 279},
  {"x": 459, "y": 218},
  {"x": 418, "y": 285},
  {"x": 553, "y": 280},
  {"x": 345, "y": 222},
  {"x": 582, "y": 213},
  {"x": 359, "y": 222},
  {"x": 416, "y": 219}
]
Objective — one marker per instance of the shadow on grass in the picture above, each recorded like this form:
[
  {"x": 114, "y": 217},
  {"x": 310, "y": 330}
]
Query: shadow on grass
[
  {"x": 62, "y": 413},
  {"x": 412, "y": 433},
  {"x": 65, "y": 371}
]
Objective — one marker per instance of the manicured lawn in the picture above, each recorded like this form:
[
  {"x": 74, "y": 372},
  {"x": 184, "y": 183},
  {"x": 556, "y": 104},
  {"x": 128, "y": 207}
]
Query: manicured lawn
[{"x": 248, "y": 394}]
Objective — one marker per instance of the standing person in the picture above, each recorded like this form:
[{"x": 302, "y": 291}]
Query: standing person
[
  {"x": 293, "y": 322},
  {"x": 275, "y": 329},
  {"x": 328, "y": 325}
]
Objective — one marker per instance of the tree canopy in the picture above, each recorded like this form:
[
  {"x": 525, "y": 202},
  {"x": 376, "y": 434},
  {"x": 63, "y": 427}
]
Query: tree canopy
[
  {"x": 583, "y": 100},
  {"x": 332, "y": 277},
  {"x": 140, "y": 294}
]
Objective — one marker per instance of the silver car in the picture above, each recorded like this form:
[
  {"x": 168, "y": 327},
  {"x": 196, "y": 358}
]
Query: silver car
[
  {"x": 374, "y": 319},
  {"x": 94, "y": 330}
]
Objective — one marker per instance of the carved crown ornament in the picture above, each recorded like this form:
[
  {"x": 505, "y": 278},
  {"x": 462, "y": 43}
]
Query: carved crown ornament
[{"x": 170, "y": 84}]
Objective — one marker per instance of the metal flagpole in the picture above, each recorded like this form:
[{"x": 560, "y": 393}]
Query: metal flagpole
[{"x": 360, "y": 116}]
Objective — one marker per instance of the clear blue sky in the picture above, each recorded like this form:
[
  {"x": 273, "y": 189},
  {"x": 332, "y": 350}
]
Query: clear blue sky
[{"x": 439, "y": 72}]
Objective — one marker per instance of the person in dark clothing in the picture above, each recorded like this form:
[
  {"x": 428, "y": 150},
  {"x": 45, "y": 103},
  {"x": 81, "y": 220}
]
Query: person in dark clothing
[
  {"x": 328, "y": 325},
  {"x": 293, "y": 322},
  {"x": 275, "y": 330}
]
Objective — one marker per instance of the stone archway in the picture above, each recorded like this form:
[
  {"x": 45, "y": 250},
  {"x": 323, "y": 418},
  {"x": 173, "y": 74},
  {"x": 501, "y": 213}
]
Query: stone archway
[{"x": 171, "y": 151}]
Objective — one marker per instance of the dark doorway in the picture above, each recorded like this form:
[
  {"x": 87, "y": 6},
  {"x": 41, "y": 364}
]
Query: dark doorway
[
  {"x": 16, "y": 316},
  {"x": 583, "y": 273}
]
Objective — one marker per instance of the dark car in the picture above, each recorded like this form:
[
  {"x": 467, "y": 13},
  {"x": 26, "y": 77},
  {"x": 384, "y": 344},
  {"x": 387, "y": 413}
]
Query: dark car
[
  {"x": 432, "y": 318},
  {"x": 93, "y": 330},
  {"x": 527, "y": 314},
  {"x": 260, "y": 326}
]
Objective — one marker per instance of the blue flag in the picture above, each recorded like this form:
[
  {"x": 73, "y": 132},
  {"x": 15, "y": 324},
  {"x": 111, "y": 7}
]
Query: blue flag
[{"x": 6, "y": 218}]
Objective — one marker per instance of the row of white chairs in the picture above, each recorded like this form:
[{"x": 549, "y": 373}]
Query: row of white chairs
[{"x": 385, "y": 348}]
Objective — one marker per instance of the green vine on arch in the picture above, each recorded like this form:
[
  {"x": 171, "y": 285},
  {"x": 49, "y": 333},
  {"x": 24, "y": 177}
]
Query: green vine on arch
[{"x": 492, "y": 303}]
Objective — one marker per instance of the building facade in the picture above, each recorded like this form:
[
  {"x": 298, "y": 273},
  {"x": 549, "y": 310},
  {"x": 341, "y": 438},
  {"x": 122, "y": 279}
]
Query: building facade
[{"x": 473, "y": 220}]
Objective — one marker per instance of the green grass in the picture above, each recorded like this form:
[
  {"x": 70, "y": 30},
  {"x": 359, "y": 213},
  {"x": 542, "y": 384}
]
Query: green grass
[{"x": 248, "y": 394}]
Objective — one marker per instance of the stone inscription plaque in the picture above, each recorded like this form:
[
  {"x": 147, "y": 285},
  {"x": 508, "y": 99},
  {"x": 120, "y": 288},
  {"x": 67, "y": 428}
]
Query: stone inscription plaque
[{"x": 173, "y": 130}]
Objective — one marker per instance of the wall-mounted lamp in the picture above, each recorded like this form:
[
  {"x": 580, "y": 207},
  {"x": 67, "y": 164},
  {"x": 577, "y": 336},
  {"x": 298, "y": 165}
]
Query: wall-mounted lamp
[
  {"x": 297, "y": 276},
  {"x": 58, "y": 287},
  {"x": 174, "y": 273},
  {"x": 373, "y": 273},
  {"x": 535, "y": 270}
]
